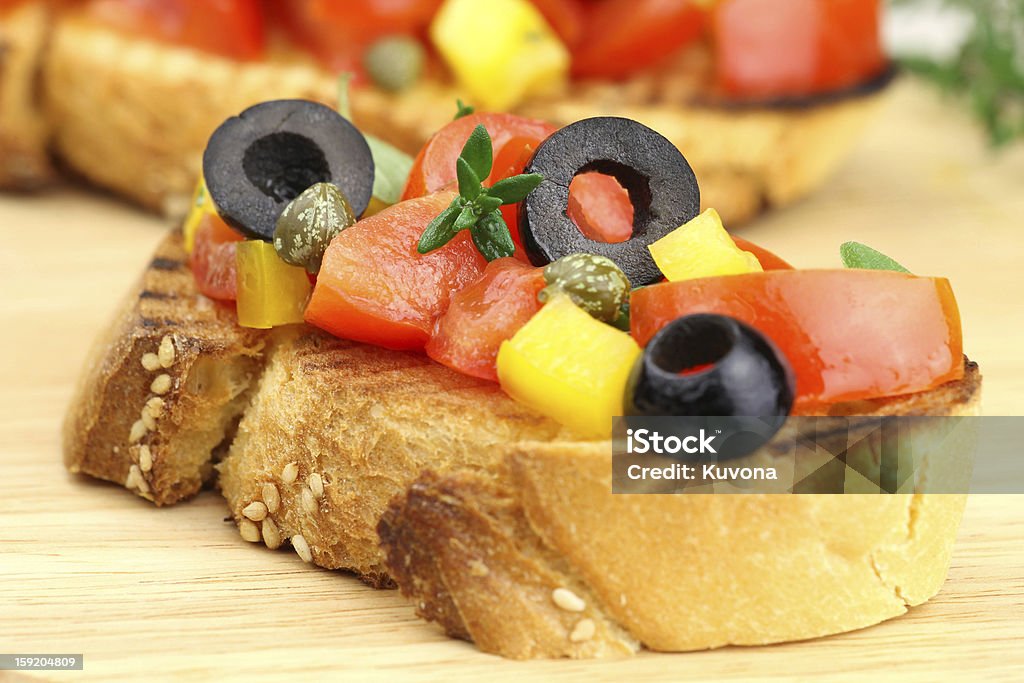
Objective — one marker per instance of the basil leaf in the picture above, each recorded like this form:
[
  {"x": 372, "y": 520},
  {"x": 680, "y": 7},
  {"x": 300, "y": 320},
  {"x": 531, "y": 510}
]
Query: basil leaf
[
  {"x": 492, "y": 238},
  {"x": 469, "y": 182},
  {"x": 477, "y": 152},
  {"x": 391, "y": 170},
  {"x": 857, "y": 255},
  {"x": 439, "y": 231},
  {"x": 514, "y": 189}
]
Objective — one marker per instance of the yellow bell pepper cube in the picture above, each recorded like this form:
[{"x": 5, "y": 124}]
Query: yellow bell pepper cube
[
  {"x": 569, "y": 366},
  {"x": 701, "y": 248},
  {"x": 201, "y": 205},
  {"x": 501, "y": 51},
  {"x": 270, "y": 292}
]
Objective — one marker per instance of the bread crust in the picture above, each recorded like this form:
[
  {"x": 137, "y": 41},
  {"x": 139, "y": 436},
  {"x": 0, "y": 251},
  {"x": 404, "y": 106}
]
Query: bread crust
[
  {"x": 392, "y": 466},
  {"x": 24, "y": 131},
  {"x": 134, "y": 116},
  {"x": 213, "y": 364},
  {"x": 366, "y": 421},
  {"x": 482, "y": 555}
]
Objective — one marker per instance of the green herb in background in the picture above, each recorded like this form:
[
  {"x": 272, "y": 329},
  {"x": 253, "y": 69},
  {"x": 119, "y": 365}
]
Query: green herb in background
[
  {"x": 477, "y": 207},
  {"x": 463, "y": 109},
  {"x": 989, "y": 68},
  {"x": 857, "y": 255},
  {"x": 391, "y": 165}
]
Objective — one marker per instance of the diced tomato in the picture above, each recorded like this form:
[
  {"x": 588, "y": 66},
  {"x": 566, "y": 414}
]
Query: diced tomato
[
  {"x": 434, "y": 166},
  {"x": 213, "y": 258},
  {"x": 768, "y": 259},
  {"x": 231, "y": 28},
  {"x": 621, "y": 36},
  {"x": 513, "y": 140},
  {"x": 848, "y": 334},
  {"x": 600, "y": 207},
  {"x": 484, "y": 314},
  {"x": 375, "y": 287},
  {"x": 566, "y": 17},
  {"x": 338, "y": 32},
  {"x": 766, "y": 48}
]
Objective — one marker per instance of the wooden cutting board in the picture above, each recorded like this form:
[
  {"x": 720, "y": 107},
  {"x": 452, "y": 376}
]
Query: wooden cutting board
[{"x": 88, "y": 568}]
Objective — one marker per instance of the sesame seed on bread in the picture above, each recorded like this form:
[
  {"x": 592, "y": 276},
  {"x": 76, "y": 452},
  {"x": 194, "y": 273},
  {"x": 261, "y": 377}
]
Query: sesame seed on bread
[{"x": 496, "y": 521}]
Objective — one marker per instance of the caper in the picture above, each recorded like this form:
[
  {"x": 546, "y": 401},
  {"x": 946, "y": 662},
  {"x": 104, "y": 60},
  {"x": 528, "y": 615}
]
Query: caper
[
  {"x": 309, "y": 223},
  {"x": 395, "y": 62},
  {"x": 594, "y": 283}
]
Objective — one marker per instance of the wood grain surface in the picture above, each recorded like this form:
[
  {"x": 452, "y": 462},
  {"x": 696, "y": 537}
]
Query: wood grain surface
[{"x": 174, "y": 593}]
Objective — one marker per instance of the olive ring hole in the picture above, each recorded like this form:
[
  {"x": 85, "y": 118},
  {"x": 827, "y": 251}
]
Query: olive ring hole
[
  {"x": 636, "y": 185},
  {"x": 693, "y": 344},
  {"x": 282, "y": 165}
]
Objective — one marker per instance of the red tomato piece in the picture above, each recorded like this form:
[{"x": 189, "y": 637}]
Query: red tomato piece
[
  {"x": 484, "y": 314},
  {"x": 513, "y": 141},
  {"x": 766, "y": 48},
  {"x": 768, "y": 259},
  {"x": 848, "y": 334},
  {"x": 600, "y": 207},
  {"x": 434, "y": 166},
  {"x": 213, "y": 258},
  {"x": 231, "y": 28},
  {"x": 566, "y": 17},
  {"x": 338, "y": 32},
  {"x": 621, "y": 36},
  {"x": 375, "y": 287}
]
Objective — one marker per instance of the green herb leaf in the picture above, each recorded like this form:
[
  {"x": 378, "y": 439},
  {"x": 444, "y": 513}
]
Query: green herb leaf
[
  {"x": 469, "y": 182},
  {"x": 391, "y": 170},
  {"x": 462, "y": 109},
  {"x": 344, "y": 106},
  {"x": 492, "y": 238},
  {"x": 857, "y": 255},
  {"x": 514, "y": 189},
  {"x": 987, "y": 72},
  {"x": 477, "y": 208},
  {"x": 487, "y": 204},
  {"x": 467, "y": 218},
  {"x": 439, "y": 231},
  {"x": 477, "y": 152}
]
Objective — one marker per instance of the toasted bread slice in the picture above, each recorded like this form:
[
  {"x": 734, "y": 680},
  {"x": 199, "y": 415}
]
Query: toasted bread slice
[
  {"x": 163, "y": 385},
  {"x": 134, "y": 116},
  {"x": 24, "y": 131},
  {"x": 492, "y": 506},
  {"x": 483, "y": 553}
]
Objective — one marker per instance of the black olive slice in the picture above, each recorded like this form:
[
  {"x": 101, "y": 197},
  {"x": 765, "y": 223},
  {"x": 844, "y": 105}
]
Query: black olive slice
[
  {"x": 714, "y": 366},
  {"x": 257, "y": 162},
  {"x": 660, "y": 183}
]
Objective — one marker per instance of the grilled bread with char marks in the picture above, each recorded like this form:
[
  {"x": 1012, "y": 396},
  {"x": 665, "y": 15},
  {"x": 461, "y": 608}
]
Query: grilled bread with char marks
[{"x": 496, "y": 521}]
